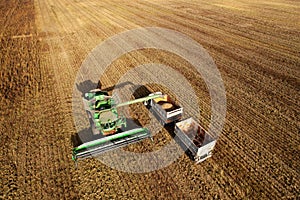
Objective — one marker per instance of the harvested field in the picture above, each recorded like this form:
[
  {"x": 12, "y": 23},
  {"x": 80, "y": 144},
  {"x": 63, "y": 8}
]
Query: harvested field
[{"x": 255, "y": 45}]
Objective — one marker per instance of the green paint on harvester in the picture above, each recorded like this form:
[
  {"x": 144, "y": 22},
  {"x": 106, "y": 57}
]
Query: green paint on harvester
[{"x": 111, "y": 137}]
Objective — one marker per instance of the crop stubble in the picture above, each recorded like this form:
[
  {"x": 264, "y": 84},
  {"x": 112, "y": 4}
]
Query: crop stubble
[{"x": 43, "y": 44}]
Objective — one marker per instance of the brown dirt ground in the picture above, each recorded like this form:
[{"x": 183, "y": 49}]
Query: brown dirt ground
[{"x": 255, "y": 45}]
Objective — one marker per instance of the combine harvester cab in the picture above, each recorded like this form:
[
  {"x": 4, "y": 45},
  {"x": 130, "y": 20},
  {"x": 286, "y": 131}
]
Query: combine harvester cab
[
  {"x": 164, "y": 108},
  {"x": 109, "y": 129},
  {"x": 195, "y": 139}
]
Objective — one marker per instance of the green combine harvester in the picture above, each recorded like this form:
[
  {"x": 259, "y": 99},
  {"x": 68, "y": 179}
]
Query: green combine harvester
[{"x": 108, "y": 125}]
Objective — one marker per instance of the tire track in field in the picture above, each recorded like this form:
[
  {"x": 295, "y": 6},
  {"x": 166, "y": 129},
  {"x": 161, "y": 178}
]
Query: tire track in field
[
  {"x": 21, "y": 77},
  {"x": 217, "y": 27},
  {"x": 56, "y": 116}
]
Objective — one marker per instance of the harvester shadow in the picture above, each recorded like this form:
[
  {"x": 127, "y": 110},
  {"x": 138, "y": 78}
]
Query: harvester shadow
[
  {"x": 140, "y": 91},
  {"x": 115, "y": 86},
  {"x": 83, "y": 136},
  {"x": 86, "y": 86}
]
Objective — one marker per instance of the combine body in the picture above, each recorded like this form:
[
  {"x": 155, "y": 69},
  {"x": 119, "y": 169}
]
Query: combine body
[
  {"x": 195, "y": 139},
  {"x": 108, "y": 126},
  {"x": 164, "y": 109}
]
